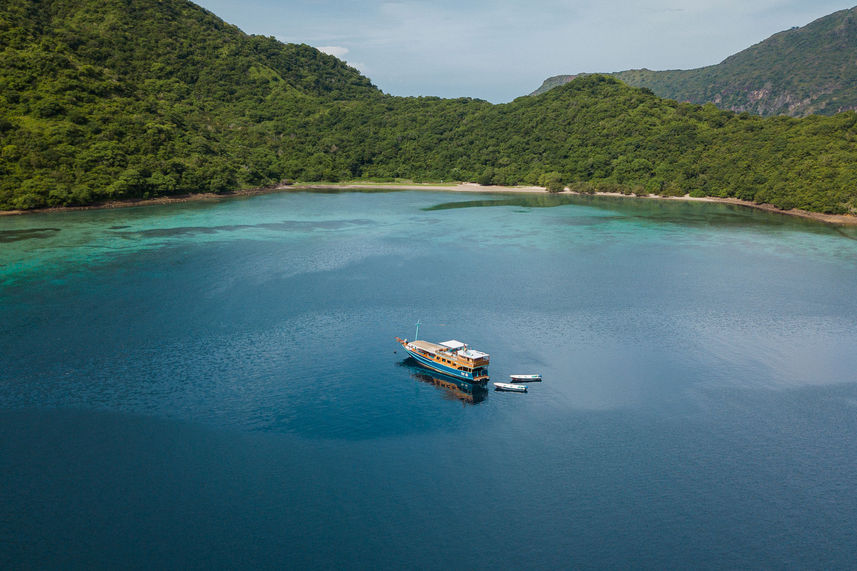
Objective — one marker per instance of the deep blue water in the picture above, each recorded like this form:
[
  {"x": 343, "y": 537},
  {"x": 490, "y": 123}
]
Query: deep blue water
[{"x": 216, "y": 385}]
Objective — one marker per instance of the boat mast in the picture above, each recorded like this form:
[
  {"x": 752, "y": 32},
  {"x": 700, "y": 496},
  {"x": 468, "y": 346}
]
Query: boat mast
[{"x": 417, "y": 334}]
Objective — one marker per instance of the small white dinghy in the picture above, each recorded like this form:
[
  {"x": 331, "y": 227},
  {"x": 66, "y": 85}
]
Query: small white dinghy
[
  {"x": 510, "y": 387},
  {"x": 525, "y": 378}
]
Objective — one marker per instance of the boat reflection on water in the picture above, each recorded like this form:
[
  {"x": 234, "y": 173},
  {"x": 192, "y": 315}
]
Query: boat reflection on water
[{"x": 469, "y": 393}]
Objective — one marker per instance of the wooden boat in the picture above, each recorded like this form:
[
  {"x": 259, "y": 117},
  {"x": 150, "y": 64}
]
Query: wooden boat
[
  {"x": 510, "y": 387},
  {"x": 452, "y": 358},
  {"x": 525, "y": 378}
]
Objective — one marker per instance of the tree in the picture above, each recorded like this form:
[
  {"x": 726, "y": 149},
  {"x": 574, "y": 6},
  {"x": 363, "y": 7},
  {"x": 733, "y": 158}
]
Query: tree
[{"x": 552, "y": 181}]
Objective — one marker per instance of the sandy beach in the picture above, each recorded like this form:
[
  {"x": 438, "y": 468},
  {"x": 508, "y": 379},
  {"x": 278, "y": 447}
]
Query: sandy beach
[{"x": 840, "y": 219}]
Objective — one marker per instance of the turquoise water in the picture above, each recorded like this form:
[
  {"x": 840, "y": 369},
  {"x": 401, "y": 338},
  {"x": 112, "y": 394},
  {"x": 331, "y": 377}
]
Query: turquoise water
[{"x": 216, "y": 384}]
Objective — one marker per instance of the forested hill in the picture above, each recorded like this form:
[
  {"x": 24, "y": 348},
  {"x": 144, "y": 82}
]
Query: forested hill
[
  {"x": 141, "y": 98},
  {"x": 119, "y": 98},
  {"x": 798, "y": 72}
]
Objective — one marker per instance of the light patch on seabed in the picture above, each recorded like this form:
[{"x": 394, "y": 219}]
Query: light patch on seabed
[
  {"x": 78, "y": 240},
  {"x": 81, "y": 238}
]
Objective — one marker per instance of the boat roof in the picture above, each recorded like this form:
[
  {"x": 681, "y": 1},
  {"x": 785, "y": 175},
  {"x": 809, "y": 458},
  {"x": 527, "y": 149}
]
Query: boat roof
[
  {"x": 427, "y": 345},
  {"x": 453, "y": 344}
]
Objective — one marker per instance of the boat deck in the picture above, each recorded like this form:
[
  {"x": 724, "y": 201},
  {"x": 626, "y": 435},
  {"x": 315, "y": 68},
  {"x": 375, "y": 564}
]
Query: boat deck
[{"x": 428, "y": 346}]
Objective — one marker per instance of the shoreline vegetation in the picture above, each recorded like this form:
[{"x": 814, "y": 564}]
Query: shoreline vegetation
[
  {"x": 166, "y": 99},
  {"x": 471, "y": 187}
]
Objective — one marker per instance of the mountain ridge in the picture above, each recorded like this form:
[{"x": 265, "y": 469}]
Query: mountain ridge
[{"x": 797, "y": 72}]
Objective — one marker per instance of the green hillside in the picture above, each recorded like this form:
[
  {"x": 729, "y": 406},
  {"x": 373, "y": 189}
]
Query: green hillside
[
  {"x": 802, "y": 71},
  {"x": 142, "y": 98},
  {"x": 126, "y": 98}
]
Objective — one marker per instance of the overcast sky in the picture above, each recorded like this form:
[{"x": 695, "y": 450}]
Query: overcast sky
[{"x": 501, "y": 49}]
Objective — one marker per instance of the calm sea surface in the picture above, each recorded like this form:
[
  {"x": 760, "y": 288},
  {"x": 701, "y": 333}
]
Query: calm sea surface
[{"x": 216, "y": 385}]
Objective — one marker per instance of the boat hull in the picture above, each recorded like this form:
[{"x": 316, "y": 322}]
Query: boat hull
[
  {"x": 526, "y": 378},
  {"x": 444, "y": 370}
]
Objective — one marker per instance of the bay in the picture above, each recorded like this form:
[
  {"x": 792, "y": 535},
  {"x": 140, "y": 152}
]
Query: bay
[{"x": 216, "y": 384}]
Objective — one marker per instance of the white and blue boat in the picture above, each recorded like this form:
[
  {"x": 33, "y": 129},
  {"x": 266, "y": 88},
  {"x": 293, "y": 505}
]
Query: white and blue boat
[
  {"x": 526, "y": 378},
  {"x": 452, "y": 358},
  {"x": 510, "y": 387}
]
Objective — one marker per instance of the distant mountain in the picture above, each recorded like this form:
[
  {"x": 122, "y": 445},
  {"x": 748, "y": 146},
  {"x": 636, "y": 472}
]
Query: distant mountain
[
  {"x": 799, "y": 72},
  {"x": 555, "y": 81}
]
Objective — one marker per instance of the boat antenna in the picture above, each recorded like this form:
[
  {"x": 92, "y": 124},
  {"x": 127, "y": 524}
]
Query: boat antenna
[{"x": 417, "y": 334}]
